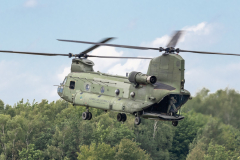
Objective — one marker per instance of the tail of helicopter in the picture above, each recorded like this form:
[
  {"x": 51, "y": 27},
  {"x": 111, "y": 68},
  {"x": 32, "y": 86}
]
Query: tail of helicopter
[{"x": 169, "y": 70}]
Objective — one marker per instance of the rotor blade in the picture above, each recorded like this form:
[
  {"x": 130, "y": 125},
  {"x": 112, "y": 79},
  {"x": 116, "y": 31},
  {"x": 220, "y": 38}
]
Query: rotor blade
[
  {"x": 173, "y": 42},
  {"x": 111, "y": 45},
  {"x": 96, "y": 46},
  {"x": 35, "y": 53},
  {"x": 200, "y": 52},
  {"x": 118, "y": 57}
]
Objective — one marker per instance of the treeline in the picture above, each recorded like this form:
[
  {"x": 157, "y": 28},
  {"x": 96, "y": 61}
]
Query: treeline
[{"x": 55, "y": 130}]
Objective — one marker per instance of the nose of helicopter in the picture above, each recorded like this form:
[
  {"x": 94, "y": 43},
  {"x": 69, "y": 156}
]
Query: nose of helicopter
[{"x": 60, "y": 90}]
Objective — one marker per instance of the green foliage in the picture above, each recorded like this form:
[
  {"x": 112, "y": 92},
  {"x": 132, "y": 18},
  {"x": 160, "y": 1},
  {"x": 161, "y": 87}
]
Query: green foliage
[
  {"x": 128, "y": 149},
  {"x": 10, "y": 111},
  {"x": 155, "y": 137},
  {"x": 30, "y": 153},
  {"x": 217, "y": 140},
  {"x": 197, "y": 153},
  {"x": 101, "y": 151},
  {"x": 224, "y": 104},
  {"x": 185, "y": 134},
  {"x": 108, "y": 130},
  {"x": 216, "y": 152},
  {"x": 1, "y": 107}
]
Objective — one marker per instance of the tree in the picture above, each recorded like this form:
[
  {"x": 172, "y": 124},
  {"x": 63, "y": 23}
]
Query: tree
[
  {"x": 10, "y": 111},
  {"x": 128, "y": 149},
  {"x": 30, "y": 153},
  {"x": 157, "y": 145},
  {"x": 3, "y": 134},
  {"x": 196, "y": 153},
  {"x": 217, "y": 140},
  {"x": 185, "y": 133},
  {"x": 216, "y": 152},
  {"x": 15, "y": 130},
  {"x": 109, "y": 131},
  {"x": 101, "y": 151},
  {"x": 1, "y": 107},
  {"x": 223, "y": 104},
  {"x": 53, "y": 152}
]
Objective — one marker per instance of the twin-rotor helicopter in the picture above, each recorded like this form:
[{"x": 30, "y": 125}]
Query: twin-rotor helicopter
[{"x": 157, "y": 95}]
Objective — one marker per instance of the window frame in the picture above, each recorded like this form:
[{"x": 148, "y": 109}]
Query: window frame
[
  {"x": 64, "y": 81},
  {"x": 71, "y": 85}
]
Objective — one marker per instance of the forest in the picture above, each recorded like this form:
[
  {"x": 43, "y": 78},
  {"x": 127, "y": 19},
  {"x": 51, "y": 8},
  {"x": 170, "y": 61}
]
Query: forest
[{"x": 55, "y": 130}]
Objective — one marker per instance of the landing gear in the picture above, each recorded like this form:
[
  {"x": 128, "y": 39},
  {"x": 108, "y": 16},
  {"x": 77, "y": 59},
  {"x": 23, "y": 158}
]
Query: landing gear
[
  {"x": 121, "y": 117},
  {"x": 87, "y": 115},
  {"x": 124, "y": 117},
  {"x": 137, "y": 120},
  {"x": 174, "y": 123}
]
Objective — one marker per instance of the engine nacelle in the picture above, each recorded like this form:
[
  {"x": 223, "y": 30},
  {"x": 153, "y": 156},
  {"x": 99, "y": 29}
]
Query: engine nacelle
[{"x": 139, "y": 78}]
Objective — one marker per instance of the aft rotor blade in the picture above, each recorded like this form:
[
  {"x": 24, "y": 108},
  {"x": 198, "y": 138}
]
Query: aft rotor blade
[
  {"x": 96, "y": 46},
  {"x": 110, "y": 45},
  {"x": 173, "y": 42},
  {"x": 201, "y": 52},
  {"x": 35, "y": 53},
  {"x": 118, "y": 57}
]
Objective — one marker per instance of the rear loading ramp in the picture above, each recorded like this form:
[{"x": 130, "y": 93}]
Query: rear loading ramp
[{"x": 157, "y": 116}]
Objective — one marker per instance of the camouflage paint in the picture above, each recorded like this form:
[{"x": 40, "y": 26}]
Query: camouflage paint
[{"x": 169, "y": 70}]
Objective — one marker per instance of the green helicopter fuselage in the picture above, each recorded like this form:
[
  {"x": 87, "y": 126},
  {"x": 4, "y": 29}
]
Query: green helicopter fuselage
[{"x": 87, "y": 88}]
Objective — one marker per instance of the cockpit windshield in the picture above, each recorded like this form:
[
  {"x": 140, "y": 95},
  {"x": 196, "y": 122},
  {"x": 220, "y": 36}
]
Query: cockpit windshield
[{"x": 65, "y": 80}]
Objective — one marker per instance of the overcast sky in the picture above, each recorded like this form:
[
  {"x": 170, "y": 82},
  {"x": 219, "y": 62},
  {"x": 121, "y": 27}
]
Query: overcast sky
[{"x": 34, "y": 25}]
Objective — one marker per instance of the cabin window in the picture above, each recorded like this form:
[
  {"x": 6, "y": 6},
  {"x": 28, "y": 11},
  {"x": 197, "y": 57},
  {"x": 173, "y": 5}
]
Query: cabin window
[
  {"x": 87, "y": 87},
  {"x": 102, "y": 90},
  {"x": 72, "y": 85},
  {"x": 117, "y": 91}
]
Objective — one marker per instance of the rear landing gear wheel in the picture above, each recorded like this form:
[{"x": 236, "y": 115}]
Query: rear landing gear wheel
[
  {"x": 137, "y": 120},
  {"x": 119, "y": 117},
  {"x": 124, "y": 117},
  {"x": 85, "y": 115},
  {"x": 175, "y": 123},
  {"x": 89, "y": 115}
]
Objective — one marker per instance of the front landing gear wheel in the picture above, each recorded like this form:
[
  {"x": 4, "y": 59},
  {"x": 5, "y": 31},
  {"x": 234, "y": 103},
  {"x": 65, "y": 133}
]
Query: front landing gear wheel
[
  {"x": 119, "y": 117},
  {"x": 89, "y": 115},
  {"x": 85, "y": 115},
  {"x": 175, "y": 123},
  {"x": 137, "y": 120}
]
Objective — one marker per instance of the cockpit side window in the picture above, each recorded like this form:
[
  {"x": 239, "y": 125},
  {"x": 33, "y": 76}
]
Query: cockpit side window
[
  {"x": 65, "y": 80},
  {"x": 72, "y": 85}
]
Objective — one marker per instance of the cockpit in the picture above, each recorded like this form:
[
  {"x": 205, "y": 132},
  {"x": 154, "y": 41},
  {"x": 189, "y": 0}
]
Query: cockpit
[{"x": 60, "y": 87}]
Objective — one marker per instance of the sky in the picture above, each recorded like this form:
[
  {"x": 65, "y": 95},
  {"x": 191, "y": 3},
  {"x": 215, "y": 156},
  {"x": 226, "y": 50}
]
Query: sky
[{"x": 34, "y": 25}]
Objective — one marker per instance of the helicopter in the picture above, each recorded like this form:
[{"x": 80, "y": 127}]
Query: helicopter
[{"x": 157, "y": 95}]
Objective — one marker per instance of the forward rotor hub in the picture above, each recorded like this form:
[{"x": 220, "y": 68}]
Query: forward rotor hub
[
  {"x": 70, "y": 55},
  {"x": 169, "y": 50}
]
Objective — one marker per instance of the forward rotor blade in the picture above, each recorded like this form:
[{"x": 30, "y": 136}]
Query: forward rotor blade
[
  {"x": 35, "y": 53},
  {"x": 200, "y": 52},
  {"x": 173, "y": 42},
  {"x": 118, "y": 57},
  {"x": 110, "y": 45},
  {"x": 96, "y": 46}
]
